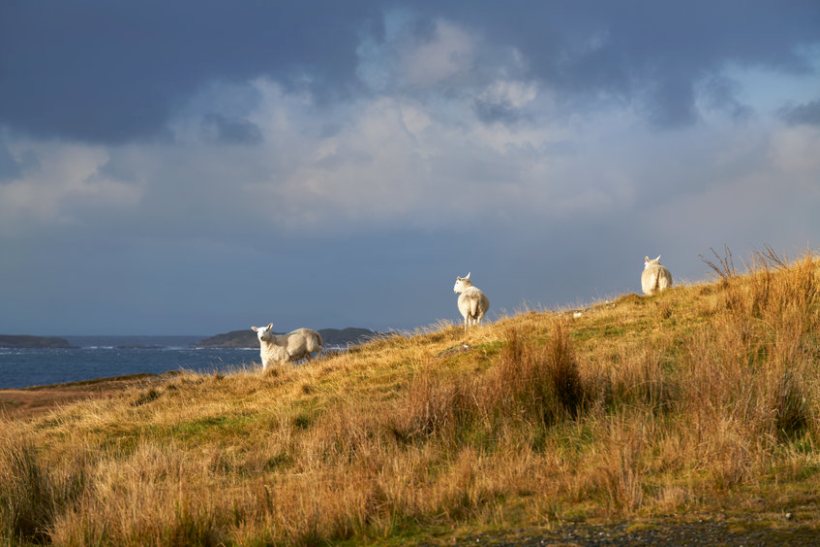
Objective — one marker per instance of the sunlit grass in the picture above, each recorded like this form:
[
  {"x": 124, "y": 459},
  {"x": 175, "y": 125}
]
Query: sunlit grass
[{"x": 693, "y": 399}]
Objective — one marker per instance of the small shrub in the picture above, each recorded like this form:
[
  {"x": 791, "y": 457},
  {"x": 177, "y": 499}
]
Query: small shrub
[
  {"x": 301, "y": 421},
  {"x": 146, "y": 397}
]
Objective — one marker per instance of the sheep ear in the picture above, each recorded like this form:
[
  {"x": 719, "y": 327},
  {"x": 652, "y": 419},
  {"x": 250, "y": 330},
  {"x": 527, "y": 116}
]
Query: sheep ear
[
  {"x": 254, "y": 329},
  {"x": 269, "y": 327},
  {"x": 468, "y": 275},
  {"x": 659, "y": 257},
  {"x": 646, "y": 259}
]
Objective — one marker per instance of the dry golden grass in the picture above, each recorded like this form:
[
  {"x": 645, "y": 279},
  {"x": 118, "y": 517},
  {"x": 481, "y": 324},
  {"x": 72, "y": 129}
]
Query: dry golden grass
[{"x": 642, "y": 406}]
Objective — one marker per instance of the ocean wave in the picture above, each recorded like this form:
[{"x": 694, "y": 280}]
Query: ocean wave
[{"x": 203, "y": 348}]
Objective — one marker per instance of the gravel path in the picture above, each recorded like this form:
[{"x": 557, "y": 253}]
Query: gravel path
[{"x": 655, "y": 533}]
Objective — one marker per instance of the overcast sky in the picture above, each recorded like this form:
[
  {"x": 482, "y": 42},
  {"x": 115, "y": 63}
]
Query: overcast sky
[{"x": 193, "y": 167}]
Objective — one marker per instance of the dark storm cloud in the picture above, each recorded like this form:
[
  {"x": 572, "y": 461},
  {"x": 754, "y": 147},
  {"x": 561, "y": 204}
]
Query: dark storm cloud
[
  {"x": 802, "y": 114},
  {"x": 104, "y": 71},
  {"x": 112, "y": 71}
]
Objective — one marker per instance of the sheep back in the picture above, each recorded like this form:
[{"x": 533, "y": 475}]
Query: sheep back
[
  {"x": 655, "y": 278},
  {"x": 472, "y": 303},
  {"x": 295, "y": 345},
  {"x": 301, "y": 342}
]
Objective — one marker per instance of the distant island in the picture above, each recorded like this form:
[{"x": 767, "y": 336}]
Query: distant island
[
  {"x": 26, "y": 341},
  {"x": 245, "y": 338}
]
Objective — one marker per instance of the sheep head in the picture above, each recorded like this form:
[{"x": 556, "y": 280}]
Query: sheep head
[
  {"x": 647, "y": 262},
  {"x": 264, "y": 333},
  {"x": 462, "y": 283}
]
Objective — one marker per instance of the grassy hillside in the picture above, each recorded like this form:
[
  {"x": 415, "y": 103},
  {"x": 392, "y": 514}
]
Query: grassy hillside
[{"x": 703, "y": 398}]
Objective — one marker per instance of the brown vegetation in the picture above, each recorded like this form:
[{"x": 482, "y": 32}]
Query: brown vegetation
[{"x": 696, "y": 398}]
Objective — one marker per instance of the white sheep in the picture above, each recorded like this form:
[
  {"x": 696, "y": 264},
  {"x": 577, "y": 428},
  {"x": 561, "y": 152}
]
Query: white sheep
[
  {"x": 472, "y": 303},
  {"x": 281, "y": 348},
  {"x": 655, "y": 276}
]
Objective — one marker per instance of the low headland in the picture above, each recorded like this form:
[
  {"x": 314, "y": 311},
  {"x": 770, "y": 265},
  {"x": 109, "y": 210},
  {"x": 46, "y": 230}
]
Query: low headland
[
  {"x": 28, "y": 341},
  {"x": 245, "y": 338},
  {"x": 691, "y": 416}
]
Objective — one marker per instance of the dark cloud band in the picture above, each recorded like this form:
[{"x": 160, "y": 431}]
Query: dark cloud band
[{"x": 108, "y": 72}]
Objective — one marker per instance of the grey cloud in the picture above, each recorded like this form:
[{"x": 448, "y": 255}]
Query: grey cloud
[
  {"x": 12, "y": 168},
  {"x": 648, "y": 52},
  {"x": 9, "y": 169},
  {"x": 802, "y": 114},
  {"x": 722, "y": 93},
  {"x": 200, "y": 218},
  {"x": 672, "y": 103},
  {"x": 492, "y": 112},
  {"x": 233, "y": 131}
]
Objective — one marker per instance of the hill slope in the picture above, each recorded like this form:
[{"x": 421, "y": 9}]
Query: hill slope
[{"x": 702, "y": 399}]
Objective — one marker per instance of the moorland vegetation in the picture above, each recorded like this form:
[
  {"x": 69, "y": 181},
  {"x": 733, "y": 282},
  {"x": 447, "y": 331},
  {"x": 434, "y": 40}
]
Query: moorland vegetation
[{"x": 705, "y": 396}]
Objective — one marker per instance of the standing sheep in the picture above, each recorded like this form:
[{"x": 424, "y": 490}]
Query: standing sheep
[
  {"x": 472, "y": 303},
  {"x": 655, "y": 276},
  {"x": 281, "y": 348}
]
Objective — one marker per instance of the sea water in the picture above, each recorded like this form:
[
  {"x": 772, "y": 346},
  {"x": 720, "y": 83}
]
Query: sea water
[{"x": 104, "y": 356}]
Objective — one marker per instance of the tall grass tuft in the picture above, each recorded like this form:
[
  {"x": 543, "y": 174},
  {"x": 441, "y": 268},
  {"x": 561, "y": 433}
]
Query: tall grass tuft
[
  {"x": 621, "y": 473},
  {"x": 564, "y": 370},
  {"x": 536, "y": 383},
  {"x": 531, "y": 386},
  {"x": 434, "y": 406},
  {"x": 33, "y": 495}
]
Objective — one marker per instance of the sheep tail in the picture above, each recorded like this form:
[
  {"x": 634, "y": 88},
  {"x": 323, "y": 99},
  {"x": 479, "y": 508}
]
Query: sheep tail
[{"x": 475, "y": 305}]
